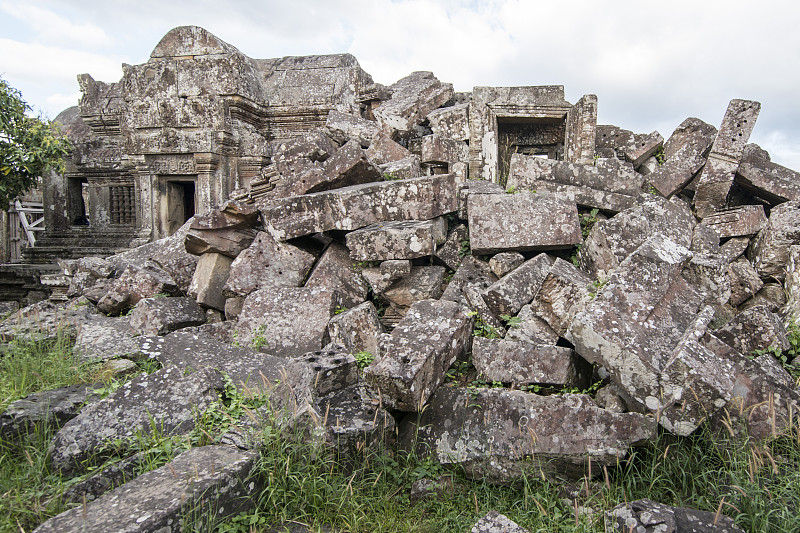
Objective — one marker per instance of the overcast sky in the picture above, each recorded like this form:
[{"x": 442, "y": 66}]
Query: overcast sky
[{"x": 651, "y": 64}]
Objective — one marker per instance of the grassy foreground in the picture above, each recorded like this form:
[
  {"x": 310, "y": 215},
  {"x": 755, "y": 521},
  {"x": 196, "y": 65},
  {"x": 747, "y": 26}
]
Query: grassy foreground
[{"x": 757, "y": 484}]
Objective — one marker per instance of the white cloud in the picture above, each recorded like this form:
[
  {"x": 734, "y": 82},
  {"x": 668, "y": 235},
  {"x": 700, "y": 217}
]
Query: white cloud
[{"x": 56, "y": 29}]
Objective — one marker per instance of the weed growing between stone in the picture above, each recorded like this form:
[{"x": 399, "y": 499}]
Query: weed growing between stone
[{"x": 755, "y": 483}]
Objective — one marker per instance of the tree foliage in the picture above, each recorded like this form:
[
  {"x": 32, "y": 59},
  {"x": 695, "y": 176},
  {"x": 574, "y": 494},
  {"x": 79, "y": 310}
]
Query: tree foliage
[{"x": 28, "y": 145}]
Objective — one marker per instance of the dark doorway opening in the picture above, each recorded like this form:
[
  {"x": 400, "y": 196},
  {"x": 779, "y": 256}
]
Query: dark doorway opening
[
  {"x": 542, "y": 137},
  {"x": 180, "y": 204}
]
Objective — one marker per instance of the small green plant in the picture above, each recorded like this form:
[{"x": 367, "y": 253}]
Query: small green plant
[
  {"x": 595, "y": 287},
  {"x": 788, "y": 359},
  {"x": 259, "y": 339},
  {"x": 587, "y": 221},
  {"x": 363, "y": 359},
  {"x": 659, "y": 155},
  {"x": 511, "y": 321},
  {"x": 512, "y": 190},
  {"x": 482, "y": 329},
  {"x": 464, "y": 249},
  {"x": 390, "y": 176},
  {"x": 339, "y": 310}
]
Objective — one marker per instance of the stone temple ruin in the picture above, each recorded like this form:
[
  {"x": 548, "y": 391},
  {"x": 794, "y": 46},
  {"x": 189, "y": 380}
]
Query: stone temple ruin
[{"x": 296, "y": 213}]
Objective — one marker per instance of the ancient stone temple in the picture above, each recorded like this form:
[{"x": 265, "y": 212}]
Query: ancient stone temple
[
  {"x": 200, "y": 120},
  {"x": 178, "y": 133}
]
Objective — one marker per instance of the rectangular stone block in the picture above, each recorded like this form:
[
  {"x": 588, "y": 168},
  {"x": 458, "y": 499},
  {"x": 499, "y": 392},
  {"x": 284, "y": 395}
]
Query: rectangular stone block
[
  {"x": 421, "y": 349},
  {"x": 770, "y": 181},
  {"x": 516, "y": 289},
  {"x": 438, "y": 149},
  {"x": 685, "y": 153},
  {"x": 564, "y": 292},
  {"x": 209, "y": 278},
  {"x": 643, "y": 328},
  {"x": 350, "y": 208},
  {"x": 472, "y": 272},
  {"x": 336, "y": 271},
  {"x": 287, "y": 321},
  {"x": 501, "y": 434},
  {"x": 397, "y": 240},
  {"x": 413, "y": 97},
  {"x": 522, "y": 362},
  {"x": 204, "y": 481},
  {"x": 451, "y": 122},
  {"x": 343, "y": 126},
  {"x": 609, "y": 184},
  {"x": 522, "y": 222},
  {"x": 581, "y": 130},
  {"x": 737, "y": 221},
  {"x": 726, "y": 154}
]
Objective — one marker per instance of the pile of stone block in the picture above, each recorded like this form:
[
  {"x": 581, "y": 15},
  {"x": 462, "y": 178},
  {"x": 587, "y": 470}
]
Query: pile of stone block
[{"x": 649, "y": 270}]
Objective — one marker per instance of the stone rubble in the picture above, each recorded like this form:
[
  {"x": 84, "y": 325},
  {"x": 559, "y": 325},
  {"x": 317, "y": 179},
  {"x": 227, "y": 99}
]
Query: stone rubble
[{"x": 500, "y": 230}]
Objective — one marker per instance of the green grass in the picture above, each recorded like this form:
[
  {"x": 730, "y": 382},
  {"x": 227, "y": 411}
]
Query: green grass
[{"x": 757, "y": 484}]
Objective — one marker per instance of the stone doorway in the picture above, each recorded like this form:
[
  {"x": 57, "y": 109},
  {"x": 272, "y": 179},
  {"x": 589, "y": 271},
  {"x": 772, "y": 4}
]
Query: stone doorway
[
  {"x": 180, "y": 204},
  {"x": 542, "y": 137}
]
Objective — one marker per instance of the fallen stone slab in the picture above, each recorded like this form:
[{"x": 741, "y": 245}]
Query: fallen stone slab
[
  {"x": 423, "y": 345},
  {"x": 564, "y": 291},
  {"x": 737, "y": 221},
  {"x": 494, "y": 522},
  {"x": 383, "y": 149},
  {"x": 717, "y": 176},
  {"x": 612, "y": 141},
  {"x": 484, "y": 317},
  {"x": 135, "y": 284},
  {"x": 347, "y": 166},
  {"x": 394, "y": 269},
  {"x": 209, "y": 481},
  {"x": 402, "y": 169},
  {"x": 166, "y": 400},
  {"x": 705, "y": 240},
  {"x": 647, "y": 516},
  {"x": 521, "y": 222},
  {"x": 532, "y": 328},
  {"x": 498, "y": 434},
  {"x": 267, "y": 263},
  {"x": 507, "y": 295},
  {"x": 643, "y": 328},
  {"x": 453, "y": 249},
  {"x": 159, "y": 316},
  {"x": 45, "y": 410},
  {"x": 424, "y": 282},
  {"x": 355, "y": 422},
  {"x": 764, "y": 179},
  {"x": 227, "y": 230},
  {"x": 443, "y": 150},
  {"x": 769, "y": 252},
  {"x": 685, "y": 153},
  {"x": 110, "y": 477},
  {"x": 336, "y": 271},
  {"x": 46, "y": 320},
  {"x": 350, "y": 208},
  {"x": 472, "y": 272},
  {"x": 745, "y": 282},
  {"x": 764, "y": 398},
  {"x": 343, "y": 126},
  {"x": 451, "y": 122},
  {"x": 404, "y": 239},
  {"x": 757, "y": 328},
  {"x": 522, "y": 362},
  {"x": 192, "y": 351},
  {"x": 168, "y": 253},
  {"x": 504, "y": 262},
  {"x": 209, "y": 279},
  {"x": 608, "y": 184},
  {"x": 357, "y": 329},
  {"x": 733, "y": 248},
  {"x": 413, "y": 97},
  {"x": 287, "y": 321},
  {"x": 105, "y": 338},
  {"x": 610, "y": 241},
  {"x": 473, "y": 186}
]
